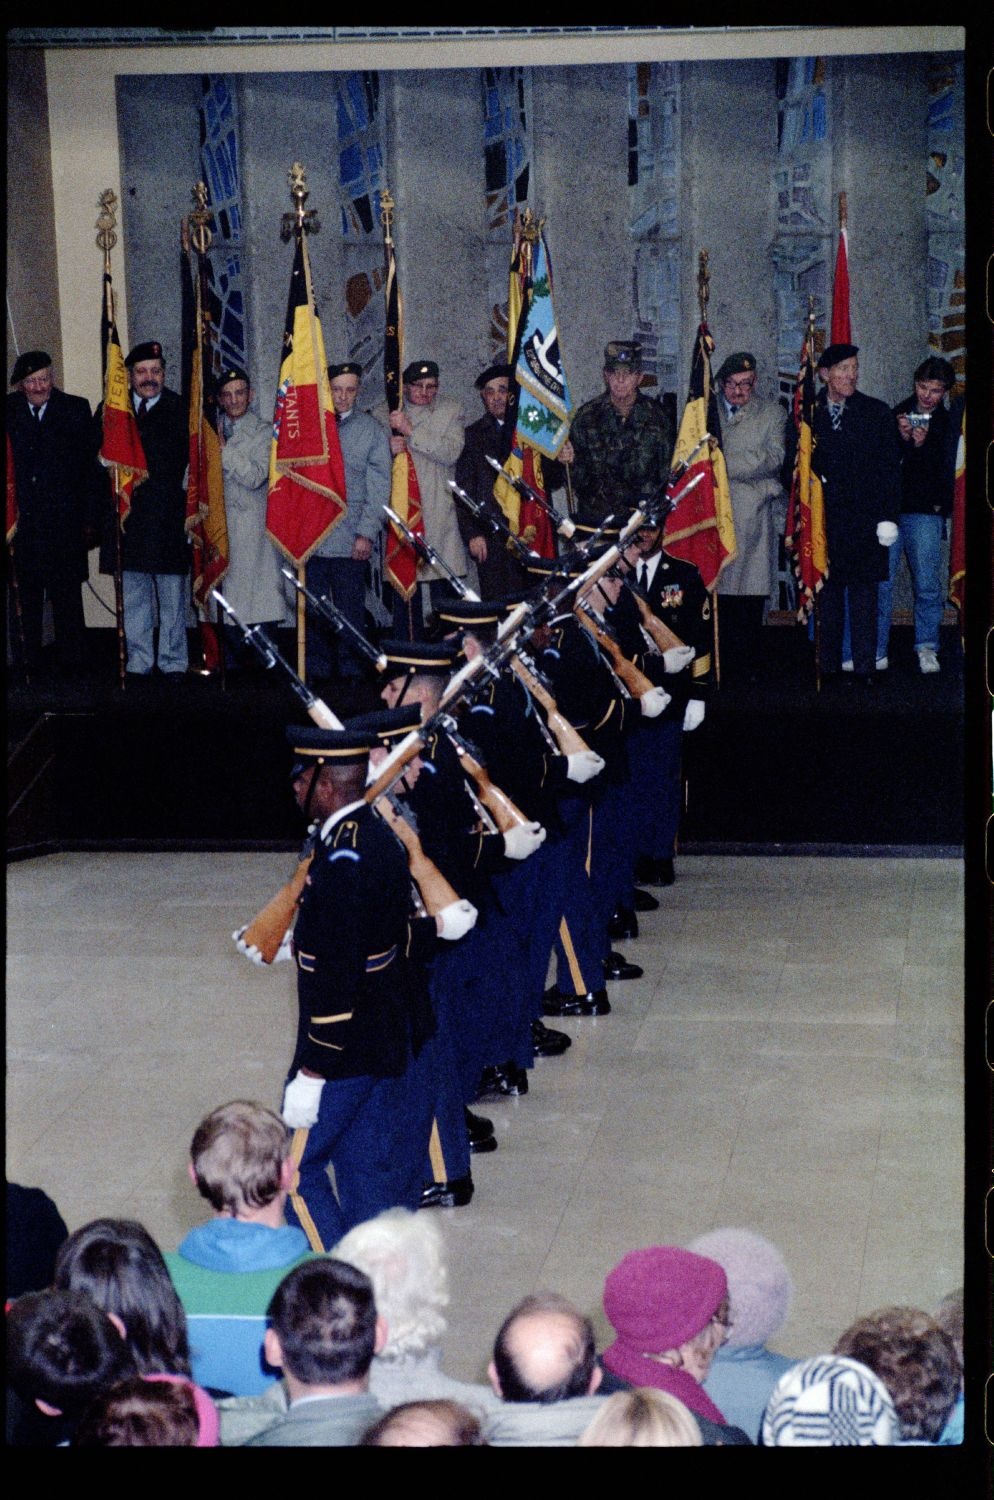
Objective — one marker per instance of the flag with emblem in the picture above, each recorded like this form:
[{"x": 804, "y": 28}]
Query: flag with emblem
[
  {"x": 121, "y": 448},
  {"x": 400, "y": 561},
  {"x": 957, "y": 528},
  {"x": 804, "y": 537},
  {"x": 206, "y": 522},
  {"x": 700, "y": 529},
  {"x": 540, "y": 400},
  {"x": 306, "y": 472}
]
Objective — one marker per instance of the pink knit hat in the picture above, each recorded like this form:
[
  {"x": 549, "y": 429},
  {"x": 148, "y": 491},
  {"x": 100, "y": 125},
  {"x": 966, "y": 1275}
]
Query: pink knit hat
[
  {"x": 210, "y": 1422},
  {"x": 658, "y": 1298}
]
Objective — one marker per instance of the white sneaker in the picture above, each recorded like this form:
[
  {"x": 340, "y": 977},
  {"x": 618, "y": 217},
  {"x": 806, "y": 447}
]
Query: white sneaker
[
  {"x": 927, "y": 660},
  {"x": 847, "y": 666},
  {"x": 882, "y": 663}
]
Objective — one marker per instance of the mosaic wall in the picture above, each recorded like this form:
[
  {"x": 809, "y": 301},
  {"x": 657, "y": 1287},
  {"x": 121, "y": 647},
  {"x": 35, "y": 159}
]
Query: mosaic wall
[
  {"x": 806, "y": 209},
  {"x": 654, "y": 218},
  {"x": 507, "y": 159},
  {"x": 219, "y": 158},
  {"x": 945, "y": 289},
  {"x": 360, "y": 130}
]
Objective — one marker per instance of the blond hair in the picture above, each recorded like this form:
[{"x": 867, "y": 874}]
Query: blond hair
[{"x": 642, "y": 1418}]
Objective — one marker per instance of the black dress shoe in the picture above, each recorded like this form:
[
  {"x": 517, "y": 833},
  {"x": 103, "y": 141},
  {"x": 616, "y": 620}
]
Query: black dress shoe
[
  {"x": 623, "y": 924},
  {"x": 645, "y": 870},
  {"x": 481, "y": 1133},
  {"x": 665, "y": 874},
  {"x": 616, "y": 966},
  {"x": 549, "y": 1043},
  {"x": 506, "y": 1081},
  {"x": 593, "y": 1003},
  {"x": 642, "y": 901},
  {"x": 455, "y": 1194}
]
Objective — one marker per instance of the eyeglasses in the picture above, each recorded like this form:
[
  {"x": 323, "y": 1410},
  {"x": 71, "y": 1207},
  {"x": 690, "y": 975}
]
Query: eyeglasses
[{"x": 740, "y": 385}]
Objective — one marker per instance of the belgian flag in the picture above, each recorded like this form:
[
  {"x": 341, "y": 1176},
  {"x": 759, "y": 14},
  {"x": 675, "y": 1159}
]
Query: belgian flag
[
  {"x": 400, "y": 561},
  {"x": 120, "y": 442},
  {"x": 700, "y": 529},
  {"x": 804, "y": 536},
  {"x": 206, "y": 521}
]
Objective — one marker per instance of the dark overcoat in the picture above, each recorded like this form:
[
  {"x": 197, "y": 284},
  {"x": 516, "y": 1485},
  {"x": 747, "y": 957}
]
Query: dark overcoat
[
  {"x": 154, "y": 538},
  {"x": 59, "y": 483},
  {"x": 860, "y": 468}
]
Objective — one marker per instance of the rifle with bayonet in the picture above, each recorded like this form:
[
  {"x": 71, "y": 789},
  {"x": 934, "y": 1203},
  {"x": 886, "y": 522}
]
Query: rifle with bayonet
[
  {"x": 340, "y": 623},
  {"x": 563, "y": 524}
]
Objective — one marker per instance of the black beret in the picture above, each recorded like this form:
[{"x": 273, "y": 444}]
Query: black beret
[
  {"x": 421, "y": 369},
  {"x": 737, "y": 364},
  {"x": 151, "y": 349},
  {"x": 622, "y": 355},
  {"x": 836, "y": 353},
  {"x": 492, "y": 372},
  {"x": 230, "y": 374},
  {"x": 404, "y": 657},
  {"x": 347, "y": 367},
  {"x": 387, "y": 724},
  {"x": 335, "y": 747},
  {"x": 29, "y": 363}
]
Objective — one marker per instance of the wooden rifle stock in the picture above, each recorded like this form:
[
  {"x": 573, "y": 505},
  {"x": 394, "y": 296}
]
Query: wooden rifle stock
[
  {"x": 436, "y": 892},
  {"x": 626, "y": 671},
  {"x": 567, "y": 738},
  {"x": 661, "y": 634},
  {"x": 267, "y": 930},
  {"x": 497, "y": 803}
]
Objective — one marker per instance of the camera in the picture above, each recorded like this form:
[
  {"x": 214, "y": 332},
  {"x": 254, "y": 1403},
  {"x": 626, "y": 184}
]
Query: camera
[{"x": 919, "y": 418}]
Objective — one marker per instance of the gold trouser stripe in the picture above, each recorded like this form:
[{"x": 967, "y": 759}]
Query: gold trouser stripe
[
  {"x": 300, "y": 1207},
  {"x": 590, "y": 841},
  {"x": 436, "y": 1155},
  {"x": 571, "y": 959}
]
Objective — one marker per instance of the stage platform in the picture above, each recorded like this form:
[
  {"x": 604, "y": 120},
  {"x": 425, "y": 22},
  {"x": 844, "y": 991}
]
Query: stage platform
[{"x": 776, "y": 767}]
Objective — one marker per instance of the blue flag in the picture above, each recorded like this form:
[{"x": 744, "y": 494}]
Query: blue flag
[{"x": 544, "y": 401}]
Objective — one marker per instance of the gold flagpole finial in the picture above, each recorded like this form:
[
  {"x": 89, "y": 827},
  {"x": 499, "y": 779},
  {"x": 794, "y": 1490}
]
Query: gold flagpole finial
[
  {"x": 201, "y": 233},
  {"x": 703, "y": 284},
  {"x": 302, "y": 220},
  {"x": 531, "y": 227},
  {"x": 387, "y": 206},
  {"x": 107, "y": 224}
]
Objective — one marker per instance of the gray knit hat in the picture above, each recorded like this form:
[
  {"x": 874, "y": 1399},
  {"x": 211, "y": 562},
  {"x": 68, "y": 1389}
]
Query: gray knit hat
[{"x": 760, "y": 1289}]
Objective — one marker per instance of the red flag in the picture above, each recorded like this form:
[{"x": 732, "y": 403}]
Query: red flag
[
  {"x": 841, "y": 326},
  {"x": 701, "y": 529},
  {"x": 805, "y": 531},
  {"x": 400, "y": 561},
  {"x": 120, "y": 445},
  {"x": 957, "y": 530},
  {"x": 206, "y": 522},
  {"x": 306, "y": 472},
  {"x": 11, "y": 493}
]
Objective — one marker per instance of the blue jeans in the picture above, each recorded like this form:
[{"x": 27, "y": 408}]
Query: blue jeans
[
  {"x": 921, "y": 540},
  {"x": 143, "y": 592}
]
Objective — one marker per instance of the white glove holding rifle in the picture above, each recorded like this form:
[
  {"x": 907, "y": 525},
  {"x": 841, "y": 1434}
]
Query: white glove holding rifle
[
  {"x": 523, "y": 839},
  {"x": 301, "y": 1101},
  {"x": 455, "y": 920},
  {"x": 653, "y": 702},
  {"x": 583, "y": 765}
]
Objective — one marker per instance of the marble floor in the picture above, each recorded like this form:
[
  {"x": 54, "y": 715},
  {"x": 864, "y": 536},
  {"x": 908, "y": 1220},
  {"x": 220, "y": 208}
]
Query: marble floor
[{"x": 791, "y": 1062}]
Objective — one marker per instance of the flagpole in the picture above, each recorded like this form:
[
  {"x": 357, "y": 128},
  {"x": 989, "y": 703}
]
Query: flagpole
[
  {"x": 106, "y": 240},
  {"x": 201, "y": 236},
  {"x": 703, "y": 297},
  {"x": 392, "y": 383},
  {"x": 300, "y": 222}
]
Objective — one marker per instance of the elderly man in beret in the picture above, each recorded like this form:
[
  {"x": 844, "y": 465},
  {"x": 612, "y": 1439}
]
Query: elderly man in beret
[
  {"x": 753, "y": 437},
  {"x": 431, "y": 430},
  {"x": 340, "y": 565},
  {"x": 252, "y": 584},
  {"x": 856, "y": 453},
  {"x": 490, "y": 436},
  {"x": 59, "y": 488},
  {"x": 622, "y": 442},
  {"x": 155, "y": 554}
]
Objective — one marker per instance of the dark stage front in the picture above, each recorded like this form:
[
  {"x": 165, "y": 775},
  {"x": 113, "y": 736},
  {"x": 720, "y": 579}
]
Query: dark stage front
[{"x": 775, "y": 765}]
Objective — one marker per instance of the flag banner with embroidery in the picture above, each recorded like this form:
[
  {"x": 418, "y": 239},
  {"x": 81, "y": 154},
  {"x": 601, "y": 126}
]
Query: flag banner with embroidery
[
  {"x": 957, "y": 527},
  {"x": 206, "y": 521},
  {"x": 400, "y": 561},
  {"x": 120, "y": 441},
  {"x": 701, "y": 529},
  {"x": 804, "y": 536},
  {"x": 306, "y": 473}
]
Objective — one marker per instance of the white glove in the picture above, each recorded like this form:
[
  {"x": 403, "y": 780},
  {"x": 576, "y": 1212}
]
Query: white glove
[
  {"x": 523, "y": 839},
  {"x": 301, "y": 1101},
  {"x": 254, "y": 955},
  {"x": 583, "y": 765},
  {"x": 886, "y": 533},
  {"x": 677, "y": 657},
  {"x": 653, "y": 702},
  {"x": 455, "y": 920},
  {"x": 693, "y": 714}
]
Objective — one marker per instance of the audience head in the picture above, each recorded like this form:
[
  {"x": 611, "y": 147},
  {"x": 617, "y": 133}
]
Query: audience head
[
  {"x": 62, "y": 1351},
  {"x": 323, "y": 1327},
  {"x": 150, "y": 1411},
  {"x": 240, "y": 1158},
  {"x": 120, "y": 1268},
  {"x": 830, "y": 1402},
  {"x": 917, "y": 1362},
  {"x": 402, "y": 1253},
  {"x": 642, "y": 1418},
  {"x": 949, "y": 1315},
  {"x": 760, "y": 1289},
  {"x": 544, "y": 1352},
  {"x": 666, "y": 1304},
  {"x": 426, "y": 1424}
]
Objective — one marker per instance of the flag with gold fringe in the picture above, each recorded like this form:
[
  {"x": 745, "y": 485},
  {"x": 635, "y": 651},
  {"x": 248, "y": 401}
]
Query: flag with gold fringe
[
  {"x": 206, "y": 521},
  {"x": 701, "y": 528},
  {"x": 400, "y": 563},
  {"x": 120, "y": 442},
  {"x": 804, "y": 536},
  {"x": 306, "y": 472}
]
